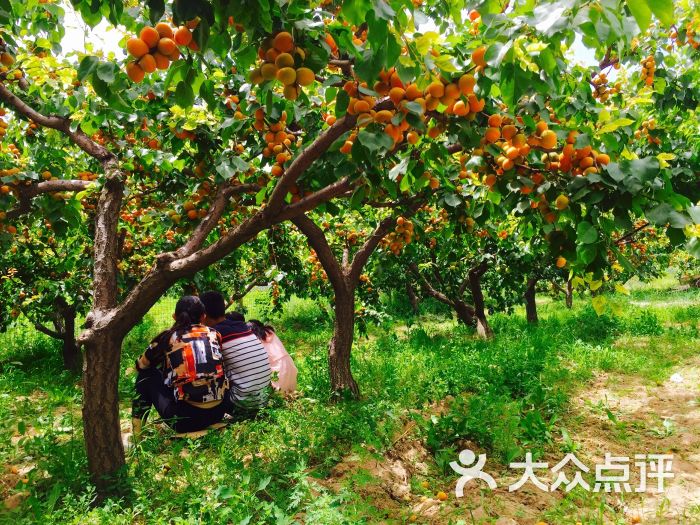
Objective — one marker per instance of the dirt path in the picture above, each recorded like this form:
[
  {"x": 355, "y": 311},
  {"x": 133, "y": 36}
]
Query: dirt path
[
  {"x": 650, "y": 418},
  {"x": 620, "y": 414}
]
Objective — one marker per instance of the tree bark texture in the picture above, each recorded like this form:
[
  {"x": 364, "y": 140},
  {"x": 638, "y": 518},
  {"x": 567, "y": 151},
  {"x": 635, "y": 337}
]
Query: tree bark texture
[
  {"x": 483, "y": 329},
  {"x": 101, "y": 426},
  {"x": 340, "y": 346},
  {"x": 530, "y": 304}
]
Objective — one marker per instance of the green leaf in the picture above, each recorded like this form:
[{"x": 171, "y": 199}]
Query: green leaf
[
  {"x": 664, "y": 213},
  {"x": 586, "y": 233},
  {"x": 693, "y": 247},
  {"x": 184, "y": 96},
  {"x": 106, "y": 71},
  {"x": 586, "y": 253},
  {"x": 598, "y": 303},
  {"x": 87, "y": 66},
  {"x": 156, "y": 8},
  {"x": 615, "y": 124},
  {"x": 341, "y": 103},
  {"x": 621, "y": 289},
  {"x": 663, "y": 10},
  {"x": 452, "y": 200},
  {"x": 641, "y": 13}
]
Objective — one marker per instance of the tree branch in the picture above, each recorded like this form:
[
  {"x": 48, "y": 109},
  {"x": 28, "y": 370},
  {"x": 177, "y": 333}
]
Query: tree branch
[
  {"x": 62, "y": 124},
  {"x": 25, "y": 194},
  {"x": 317, "y": 240},
  {"x": 209, "y": 222},
  {"x": 428, "y": 288},
  {"x": 51, "y": 333},
  {"x": 307, "y": 157},
  {"x": 629, "y": 235}
]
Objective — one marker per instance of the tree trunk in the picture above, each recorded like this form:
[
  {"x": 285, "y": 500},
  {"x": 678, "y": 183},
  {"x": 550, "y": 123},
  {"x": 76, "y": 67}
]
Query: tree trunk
[
  {"x": 465, "y": 313},
  {"x": 482, "y": 325},
  {"x": 101, "y": 425},
  {"x": 569, "y": 294},
  {"x": 530, "y": 304},
  {"x": 412, "y": 297},
  {"x": 72, "y": 359},
  {"x": 342, "y": 382}
]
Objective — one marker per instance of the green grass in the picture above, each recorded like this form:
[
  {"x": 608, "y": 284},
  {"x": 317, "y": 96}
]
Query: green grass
[{"x": 510, "y": 394}]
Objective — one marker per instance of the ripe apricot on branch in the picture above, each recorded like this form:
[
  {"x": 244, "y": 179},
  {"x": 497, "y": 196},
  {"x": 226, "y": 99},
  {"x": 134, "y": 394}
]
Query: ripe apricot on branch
[
  {"x": 283, "y": 42},
  {"x": 183, "y": 36},
  {"x": 166, "y": 46},
  {"x": 150, "y": 36},
  {"x": 135, "y": 72},
  {"x": 164, "y": 30},
  {"x": 287, "y": 75},
  {"x": 148, "y": 63},
  {"x": 466, "y": 84},
  {"x": 561, "y": 262},
  {"x": 478, "y": 56},
  {"x": 136, "y": 47},
  {"x": 561, "y": 202},
  {"x": 548, "y": 139},
  {"x": 305, "y": 76}
]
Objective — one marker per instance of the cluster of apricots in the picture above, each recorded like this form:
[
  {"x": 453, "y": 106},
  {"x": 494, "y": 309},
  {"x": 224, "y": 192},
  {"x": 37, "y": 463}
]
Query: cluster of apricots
[
  {"x": 155, "y": 48},
  {"x": 278, "y": 140},
  {"x": 648, "y": 69},
  {"x": 647, "y": 125},
  {"x": 7, "y": 60},
  {"x": 84, "y": 175},
  {"x": 400, "y": 237},
  {"x": 601, "y": 88},
  {"x": 692, "y": 28},
  {"x": 3, "y": 123},
  {"x": 475, "y": 18},
  {"x": 581, "y": 161},
  {"x": 283, "y": 61},
  {"x": 456, "y": 96}
]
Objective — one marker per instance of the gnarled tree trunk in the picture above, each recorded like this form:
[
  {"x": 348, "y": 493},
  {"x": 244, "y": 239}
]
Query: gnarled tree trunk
[
  {"x": 72, "y": 358},
  {"x": 569, "y": 294},
  {"x": 340, "y": 346},
  {"x": 101, "y": 425},
  {"x": 465, "y": 313},
  {"x": 530, "y": 304},
  {"x": 482, "y": 325}
]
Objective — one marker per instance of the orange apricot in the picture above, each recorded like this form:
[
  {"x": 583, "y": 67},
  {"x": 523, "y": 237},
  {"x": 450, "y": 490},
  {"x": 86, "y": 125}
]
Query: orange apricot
[
  {"x": 283, "y": 42},
  {"x": 164, "y": 30},
  {"x": 148, "y": 63},
  {"x": 435, "y": 89},
  {"x": 495, "y": 121},
  {"x": 478, "y": 56},
  {"x": 548, "y": 139},
  {"x": 466, "y": 84},
  {"x": 396, "y": 94},
  {"x": 492, "y": 135},
  {"x": 150, "y": 36},
  {"x": 136, "y": 47},
  {"x": 162, "y": 61},
  {"x": 183, "y": 36},
  {"x": 166, "y": 46}
]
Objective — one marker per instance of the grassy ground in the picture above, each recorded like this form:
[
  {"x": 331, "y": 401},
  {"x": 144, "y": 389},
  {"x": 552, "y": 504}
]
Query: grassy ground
[{"x": 427, "y": 383}]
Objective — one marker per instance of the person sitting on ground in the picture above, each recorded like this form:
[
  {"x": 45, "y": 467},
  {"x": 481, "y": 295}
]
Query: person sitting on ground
[
  {"x": 245, "y": 359},
  {"x": 181, "y": 373},
  {"x": 281, "y": 362}
]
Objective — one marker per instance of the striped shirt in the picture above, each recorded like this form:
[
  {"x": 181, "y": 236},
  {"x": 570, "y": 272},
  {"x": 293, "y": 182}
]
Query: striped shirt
[{"x": 246, "y": 365}]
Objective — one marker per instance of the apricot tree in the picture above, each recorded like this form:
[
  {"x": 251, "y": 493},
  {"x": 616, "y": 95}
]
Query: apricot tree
[{"x": 264, "y": 111}]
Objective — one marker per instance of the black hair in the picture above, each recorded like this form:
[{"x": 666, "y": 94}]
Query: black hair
[
  {"x": 214, "y": 304},
  {"x": 188, "y": 311},
  {"x": 260, "y": 330},
  {"x": 235, "y": 316}
]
